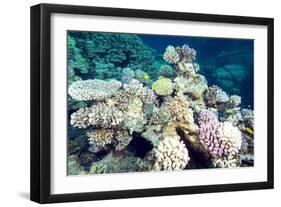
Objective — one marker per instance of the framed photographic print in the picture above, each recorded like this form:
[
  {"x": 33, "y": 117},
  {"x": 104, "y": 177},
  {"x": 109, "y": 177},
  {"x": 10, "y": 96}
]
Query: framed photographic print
[{"x": 132, "y": 103}]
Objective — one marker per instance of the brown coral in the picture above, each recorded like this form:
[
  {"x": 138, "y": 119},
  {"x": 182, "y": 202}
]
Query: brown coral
[{"x": 180, "y": 113}]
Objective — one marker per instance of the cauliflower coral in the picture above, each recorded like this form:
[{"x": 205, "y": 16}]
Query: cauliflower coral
[
  {"x": 163, "y": 86},
  {"x": 171, "y": 154}
]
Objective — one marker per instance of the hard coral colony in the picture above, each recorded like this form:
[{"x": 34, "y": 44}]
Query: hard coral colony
[{"x": 124, "y": 118}]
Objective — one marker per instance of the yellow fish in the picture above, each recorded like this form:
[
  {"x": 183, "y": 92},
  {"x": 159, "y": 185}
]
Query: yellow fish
[
  {"x": 249, "y": 130},
  {"x": 146, "y": 76}
]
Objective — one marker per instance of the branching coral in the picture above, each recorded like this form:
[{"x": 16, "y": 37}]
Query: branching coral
[
  {"x": 220, "y": 139},
  {"x": 215, "y": 95},
  {"x": 210, "y": 134},
  {"x": 171, "y": 55},
  {"x": 163, "y": 86},
  {"x": 105, "y": 116},
  {"x": 171, "y": 154},
  {"x": 180, "y": 113},
  {"x": 186, "y": 53},
  {"x": 122, "y": 138},
  {"x": 100, "y": 137},
  {"x": 136, "y": 89},
  {"x": 93, "y": 89},
  {"x": 234, "y": 101},
  {"x": 80, "y": 118}
]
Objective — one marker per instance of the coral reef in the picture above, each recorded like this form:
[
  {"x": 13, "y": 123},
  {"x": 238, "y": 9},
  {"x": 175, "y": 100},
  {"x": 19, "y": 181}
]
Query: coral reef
[
  {"x": 130, "y": 112},
  {"x": 171, "y": 154}
]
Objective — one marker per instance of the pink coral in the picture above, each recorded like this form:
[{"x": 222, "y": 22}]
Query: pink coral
[{"x": 210, "y": 134}]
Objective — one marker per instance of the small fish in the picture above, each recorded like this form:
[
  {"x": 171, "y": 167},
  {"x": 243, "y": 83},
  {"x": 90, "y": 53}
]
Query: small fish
[
  {"x": 249, "y": 130},
  {"x": 146, "y": 76}
]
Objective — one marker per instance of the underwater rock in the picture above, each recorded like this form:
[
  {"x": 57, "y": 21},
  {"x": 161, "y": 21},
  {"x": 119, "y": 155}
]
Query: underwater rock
[
  {"x": 200, "y": 157},
  {"x": 185, "y": 69},
  {"x": 163, "y": 86}
]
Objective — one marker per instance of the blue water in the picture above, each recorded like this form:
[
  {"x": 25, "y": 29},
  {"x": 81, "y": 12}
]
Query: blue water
[{"x": 214, "y": 53}]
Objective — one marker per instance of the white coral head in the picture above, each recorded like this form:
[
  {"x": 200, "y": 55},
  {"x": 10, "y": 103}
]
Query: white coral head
[{"x": 232, "y": 133}]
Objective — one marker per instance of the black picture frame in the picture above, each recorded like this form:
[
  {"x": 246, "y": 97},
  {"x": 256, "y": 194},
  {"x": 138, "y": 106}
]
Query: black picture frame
[{"x": 41, "y": 97}]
